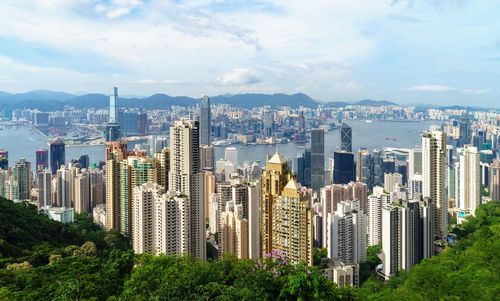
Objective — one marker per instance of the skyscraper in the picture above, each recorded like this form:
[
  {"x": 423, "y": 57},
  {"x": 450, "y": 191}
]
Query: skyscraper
[
  {"x": 303, "y": 169},
  {"x": 115, "y": 153},
  {"x": 292, "y": 233},
  {"x": 112, "y": 106},
  {"x": 134, "y": 171},
  {"x": 234, "y": 231},
  {"x": 207, "y": 153},
  {"x": 44, "y": 180},
  {"x": 414, "y": 162},
  {"x": 391, "y": 180},
  {"x": 113, "y": 126},
  {"x": 347, "y": 233},
  {"x": 162, "y": 166},
  {"x": 317, "y": 159},
  {"x": 205, "y": 121},
  {"x": 433, "y": 177},
  {"x": 160, "y": 221},
  {"x": 63, "y": 187},
  {"x": 42, "y": 159},
  {"x": 364, "y": 168},
  {"x": 57, "y": 155},
  {"x": 254, "y": 220},
  {"x": 273, "y": 180},
  {"x": 343, "y": 168},
  {"x": 407, "y": 234},
  {"x": 231, "y": 155},
  {"x": 495, "y": 180},
  {"x": 374, "y": 218},
  {"x": 346, "y": 138},
  {"x": 187, "y": 178},
  {"x": 470, "y": 179},
  {"x": 81, "y": 193},
  {"x": 22, "y": 174},
  {"x": 4, "y": 159}
]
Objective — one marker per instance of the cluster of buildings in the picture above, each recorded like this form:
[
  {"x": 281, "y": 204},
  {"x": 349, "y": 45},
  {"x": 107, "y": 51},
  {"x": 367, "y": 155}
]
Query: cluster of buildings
[{"x": 177, "y": 199}]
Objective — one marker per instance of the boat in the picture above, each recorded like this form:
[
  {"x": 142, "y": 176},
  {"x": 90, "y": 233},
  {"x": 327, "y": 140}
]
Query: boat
[{"x": 368, "y": 121}]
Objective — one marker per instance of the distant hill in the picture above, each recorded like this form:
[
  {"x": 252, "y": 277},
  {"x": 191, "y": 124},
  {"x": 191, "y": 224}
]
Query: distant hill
[
  {"x": 364, "y": 102},
  {"x": 374, "y": 103},
  {"x": 46, "y": 100},
  {"x": 336, "y": 104}
]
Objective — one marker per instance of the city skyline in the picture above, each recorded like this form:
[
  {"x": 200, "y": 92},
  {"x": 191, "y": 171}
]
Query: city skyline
[{"x": 401, "y": 51}]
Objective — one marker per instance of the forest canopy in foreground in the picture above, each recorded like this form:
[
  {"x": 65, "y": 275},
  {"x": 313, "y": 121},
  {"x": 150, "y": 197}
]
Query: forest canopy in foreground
[{"x": 44, "y": 260}]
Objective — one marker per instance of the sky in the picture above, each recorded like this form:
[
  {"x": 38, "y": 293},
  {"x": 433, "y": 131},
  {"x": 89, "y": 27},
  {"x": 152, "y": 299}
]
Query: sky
[{"x": 443, "y": 52}]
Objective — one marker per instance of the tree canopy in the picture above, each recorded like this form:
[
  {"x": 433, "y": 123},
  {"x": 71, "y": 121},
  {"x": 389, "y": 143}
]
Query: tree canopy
[{"x": 45, "y": 260}]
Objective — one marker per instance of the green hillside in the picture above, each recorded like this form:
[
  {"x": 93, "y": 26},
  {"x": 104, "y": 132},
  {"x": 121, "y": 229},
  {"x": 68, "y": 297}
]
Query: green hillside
[{"x": 45, "y": 260}]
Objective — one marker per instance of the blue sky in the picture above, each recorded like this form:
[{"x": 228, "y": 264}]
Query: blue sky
[{"x": 427, "y": 51}]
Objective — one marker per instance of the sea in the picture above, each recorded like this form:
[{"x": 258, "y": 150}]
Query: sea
[{"x": 23, "y": 141}]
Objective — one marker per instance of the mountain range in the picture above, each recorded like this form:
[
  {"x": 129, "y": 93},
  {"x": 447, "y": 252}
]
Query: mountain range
[{"x": 46, "y": 100}]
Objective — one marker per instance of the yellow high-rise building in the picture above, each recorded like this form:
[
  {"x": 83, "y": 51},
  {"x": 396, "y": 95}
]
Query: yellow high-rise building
[
  {"x": 273, "y": 180},
  {"x": 292, "y": 232}
]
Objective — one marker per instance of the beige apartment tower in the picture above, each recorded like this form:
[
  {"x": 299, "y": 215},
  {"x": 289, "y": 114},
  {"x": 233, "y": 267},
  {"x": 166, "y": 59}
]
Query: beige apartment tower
[{"x": 273, "y": 180}]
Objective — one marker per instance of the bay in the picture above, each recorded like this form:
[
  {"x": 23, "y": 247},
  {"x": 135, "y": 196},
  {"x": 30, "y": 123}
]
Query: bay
[{"x": 22, "y": 142}]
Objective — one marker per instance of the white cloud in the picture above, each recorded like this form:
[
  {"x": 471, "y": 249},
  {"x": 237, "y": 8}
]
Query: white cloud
[
  {"x": 431, "y": 88},
  {"x": 347, "y": 87},
  {"x": 148, "y": 81},
  {"x": 117, "y": 8},
  {"x": 443, "y": 88},
  {"x": 238, "y": 77}
]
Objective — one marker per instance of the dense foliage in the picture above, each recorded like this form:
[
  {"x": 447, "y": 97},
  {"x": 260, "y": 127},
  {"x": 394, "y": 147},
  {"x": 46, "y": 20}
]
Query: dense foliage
[
  {"x": 45, "y": 260},
  {"x": 468, "y": 271}
]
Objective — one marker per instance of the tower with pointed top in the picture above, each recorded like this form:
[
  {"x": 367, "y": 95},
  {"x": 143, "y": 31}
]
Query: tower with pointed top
[
  {"x": 273, "y": 180},
  {"x": 113, "y": 126},
  {"x": 292, "y": 234},
  {"x": 205, "y": 121}
]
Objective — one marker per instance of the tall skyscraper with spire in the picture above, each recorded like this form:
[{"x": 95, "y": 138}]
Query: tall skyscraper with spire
[
  {"x": 113, "y": 126},
  {"x": 205, "y": 121}
]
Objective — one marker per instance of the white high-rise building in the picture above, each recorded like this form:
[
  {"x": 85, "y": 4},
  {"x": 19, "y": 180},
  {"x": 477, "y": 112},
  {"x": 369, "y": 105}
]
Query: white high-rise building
[
  {"x": 143, "y": 199},
  {"x": 171, "y": 215},
  {"x": 434, "y": 176},
  {"x": 374, "y": 218},
  {"x": 390, "y": 181},
  {"x": 470, "y": 179},
  {"x": 231, "y": 154},
  {"x": 44, "y": 179},
  {"x": 414, "y": 186},
  {"x": 347, "y": 236},
  {"x": 186, "y": 177},
  {"x": 63, "y": 187},
  {"x": 160, "y": 221},
  {"x": 407, "y": 234}
]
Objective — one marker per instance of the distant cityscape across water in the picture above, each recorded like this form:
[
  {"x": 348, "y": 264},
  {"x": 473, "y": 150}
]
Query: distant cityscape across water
[{"x": 22, "y": 142}]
